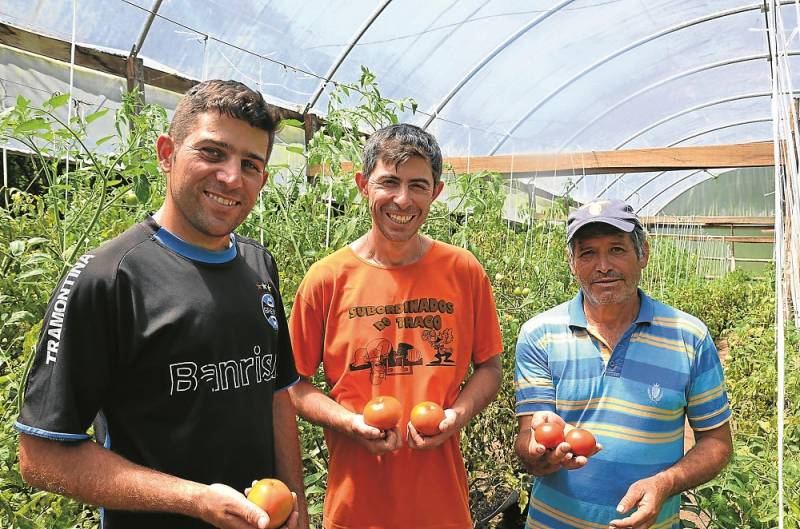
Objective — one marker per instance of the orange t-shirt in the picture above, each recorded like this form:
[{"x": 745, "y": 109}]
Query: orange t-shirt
[{"x": 410, "y": 332}]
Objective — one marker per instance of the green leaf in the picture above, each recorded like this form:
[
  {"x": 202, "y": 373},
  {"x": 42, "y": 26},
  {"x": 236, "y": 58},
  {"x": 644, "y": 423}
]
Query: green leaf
[
  {"x": 297, "y": 149},
  {"x": 141, "y": 187},
  {"x": 33, "y": 241},
  {"x": 31, "y": 273},
  {"x": 31, "y": 125},
  {"x": 22, "y": 103},
  {"x": 104, "y": 139},
  {"x": 96, "y": 115},
  {"x": 16, "y": 248},
  {"x": 58, "y": 100},
  {"x": 20, "y": 315},
  {"x": 312, "y": 478},
  {"x": 291, "y": 123}
]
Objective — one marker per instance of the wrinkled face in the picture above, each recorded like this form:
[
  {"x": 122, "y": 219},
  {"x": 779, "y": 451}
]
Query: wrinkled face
[
  {"x": 607, "y": 268},
  {"x": 214, "y": 177},
  {"x": 399, "y": 197}
]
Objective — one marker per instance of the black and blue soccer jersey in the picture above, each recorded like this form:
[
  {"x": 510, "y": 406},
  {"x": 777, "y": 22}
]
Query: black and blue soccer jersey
[{"x": 178, "y": 348}]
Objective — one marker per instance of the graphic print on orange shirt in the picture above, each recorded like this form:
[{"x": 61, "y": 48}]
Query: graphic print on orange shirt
[{"x": 383, "y": 359}]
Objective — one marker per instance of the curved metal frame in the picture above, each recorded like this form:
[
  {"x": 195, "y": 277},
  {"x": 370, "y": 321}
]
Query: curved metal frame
[
  {"x": 657, "y": 84},
  {"x": 617, "y": 53},
  {"x": 714, "y": 129},
  {"x": 673, "y": 184},
  {"x": 487, "y": 58},
  {"x": 690, "y": 110},
  {"x": 342, "y": 56},
  {"x": 686, "y": 73},
  {"x": 673, "y": 116},
  {"x": 730, "y": 125}
]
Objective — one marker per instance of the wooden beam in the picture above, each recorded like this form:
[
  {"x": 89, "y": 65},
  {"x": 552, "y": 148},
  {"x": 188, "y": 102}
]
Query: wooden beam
[
  {"x": 723, "y": 238},
  {"x": 627, "y": 161},
  {"x": 707, "y": 221},
  {"x": 607, "y": 162},
  {"x": 115, "y": 64}
]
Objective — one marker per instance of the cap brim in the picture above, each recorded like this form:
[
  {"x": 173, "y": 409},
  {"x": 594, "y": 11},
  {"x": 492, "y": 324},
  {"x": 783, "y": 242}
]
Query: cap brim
[{"x": 624, "y": 225}]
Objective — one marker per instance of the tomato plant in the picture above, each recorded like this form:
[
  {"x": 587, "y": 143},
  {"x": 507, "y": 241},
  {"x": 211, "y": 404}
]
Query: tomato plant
[
  {"x": 383, "y": 412},
  {"x": 275, "y": 498},
  {"x": 549, "y": 434},
  {"x": 581, "y": 441},
  {"x": 426, "y": 416}
]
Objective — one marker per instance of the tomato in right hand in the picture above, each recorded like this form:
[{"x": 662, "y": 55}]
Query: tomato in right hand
[
  {"x": 581, "y": 441},
  {"x": 549, "y": 434},
  {"x": 383, "y": 412},
  {"x": 275, "y": 498}
]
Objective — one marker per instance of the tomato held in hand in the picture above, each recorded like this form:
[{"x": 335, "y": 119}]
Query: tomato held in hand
[
  {"x": 383, "y": 412},
  {"x": 275, "y": 498},
  {"x": 581, "y": 441},
  {"x": 426, "y": 416},
  {"x": 549, "y": 434}
]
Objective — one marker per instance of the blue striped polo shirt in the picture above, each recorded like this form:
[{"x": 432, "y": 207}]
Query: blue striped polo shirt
[{"x": 664, "y": 368}]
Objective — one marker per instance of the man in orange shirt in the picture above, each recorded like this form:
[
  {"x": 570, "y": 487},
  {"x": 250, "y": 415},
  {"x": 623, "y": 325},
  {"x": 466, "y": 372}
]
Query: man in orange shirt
[{"x": 396, "y": 313}]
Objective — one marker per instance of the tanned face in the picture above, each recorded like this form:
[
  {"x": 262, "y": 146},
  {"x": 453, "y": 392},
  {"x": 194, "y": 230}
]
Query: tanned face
[{"x": 214, "y": 177}]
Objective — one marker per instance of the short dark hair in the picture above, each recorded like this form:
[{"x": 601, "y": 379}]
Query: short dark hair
[
  {"x": 229, "y": 98},
  {"x": 597, "y": 229},
  {"x": 395, "y": 144}
]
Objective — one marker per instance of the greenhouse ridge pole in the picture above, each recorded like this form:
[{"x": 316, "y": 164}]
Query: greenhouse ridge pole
[{"x": 328, "y": 77}]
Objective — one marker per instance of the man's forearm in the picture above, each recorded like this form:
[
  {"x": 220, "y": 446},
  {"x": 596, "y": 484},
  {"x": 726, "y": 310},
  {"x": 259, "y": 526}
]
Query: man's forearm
[
  {"x": 704, "y": 461},
  {"x": 315, "y": 406},
  {"x": 288, "y": 463},
  {"x": 97, "y": 476},
  {"x": 479, "y": 391}
]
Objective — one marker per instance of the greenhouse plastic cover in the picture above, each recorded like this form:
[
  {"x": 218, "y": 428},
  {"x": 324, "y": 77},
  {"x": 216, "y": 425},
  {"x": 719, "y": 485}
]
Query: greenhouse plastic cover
[{"x": 489, "y": 77}]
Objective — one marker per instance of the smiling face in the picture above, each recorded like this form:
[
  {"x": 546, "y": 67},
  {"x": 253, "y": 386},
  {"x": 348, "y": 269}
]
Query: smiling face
[
  {"x": 607, "y": 268},
  {"x": 399, "y": 197},
  {"x": 214, "y": 177}
]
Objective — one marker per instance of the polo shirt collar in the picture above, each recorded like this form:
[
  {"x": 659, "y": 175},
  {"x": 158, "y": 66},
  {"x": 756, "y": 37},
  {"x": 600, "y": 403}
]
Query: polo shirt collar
[{"x": 577, "y": 317}]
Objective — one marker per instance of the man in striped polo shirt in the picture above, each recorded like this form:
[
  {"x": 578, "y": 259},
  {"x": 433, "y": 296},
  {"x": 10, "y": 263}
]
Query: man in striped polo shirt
[{"x": 627, "y": 368}]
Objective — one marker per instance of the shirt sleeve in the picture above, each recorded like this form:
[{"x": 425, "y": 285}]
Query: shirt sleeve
[
  {"x": 71, "y": 370},
  {"x": 305, "y": 325},
  {"x": 488, "y": 341},
  {"x": 533, "y": 384},
  {"x": 707, "y": 400}
]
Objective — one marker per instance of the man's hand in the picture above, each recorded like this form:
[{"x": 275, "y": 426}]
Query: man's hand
[
  {"x": 373, "y": 439},
  {"x": 294, "y": 516},
  {"x": 224, "y": 507},
  {"x": 447, "y": 428},
  {"x": 647, "y": 495},
  {"x": 539, "y": 461}
]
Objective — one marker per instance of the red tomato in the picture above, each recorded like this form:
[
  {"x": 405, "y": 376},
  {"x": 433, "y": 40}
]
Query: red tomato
[
  {"x": 426, "y": 416},
  {"x": 383, "y": 412},
  {"x": 549, "y": 434},
  {"x": 275, "y": 498},
  {"x": 581, "y": 441}
]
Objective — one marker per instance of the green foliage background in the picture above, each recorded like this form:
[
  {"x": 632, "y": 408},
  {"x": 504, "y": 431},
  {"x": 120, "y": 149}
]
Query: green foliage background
[{"x": 102, "y": 194}]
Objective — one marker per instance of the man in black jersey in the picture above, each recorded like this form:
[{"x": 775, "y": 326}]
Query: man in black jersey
[{"x": 173, "y": 335}]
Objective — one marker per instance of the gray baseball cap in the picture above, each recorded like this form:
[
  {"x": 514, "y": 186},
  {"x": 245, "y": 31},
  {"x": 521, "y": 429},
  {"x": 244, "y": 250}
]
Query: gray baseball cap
[{"x": 614, "y": 212}]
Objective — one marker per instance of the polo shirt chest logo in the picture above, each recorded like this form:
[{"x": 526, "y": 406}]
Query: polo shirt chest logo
[{"x": 654, "y": 392}]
